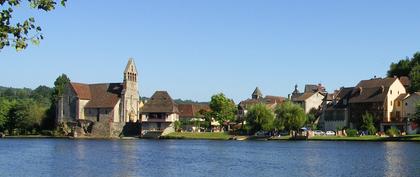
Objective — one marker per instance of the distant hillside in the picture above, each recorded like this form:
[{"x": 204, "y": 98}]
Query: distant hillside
[
  {"x": 179, "y": 101},
  {"x": 41, "y": 94}
]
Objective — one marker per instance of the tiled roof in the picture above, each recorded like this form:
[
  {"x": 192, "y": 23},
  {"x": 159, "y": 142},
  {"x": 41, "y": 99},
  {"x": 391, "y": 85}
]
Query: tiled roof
[
  {"x": 402, "y": 96},
  {"x": 191, "y": 110},
  {"x": 82, "y": 90},
  {"x": 304, "y": 96},
  {"x": 160, "y": 102},
  {"x": 267, "y": 100},
  {"x": 104, "y": 95},
  {"x": 373, "y": 90},
  {"x": 99, "y": 95}
]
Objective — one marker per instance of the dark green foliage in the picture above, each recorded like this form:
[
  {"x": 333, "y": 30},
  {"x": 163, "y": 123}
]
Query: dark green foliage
[
  {"x": 367, "y": 124},
  {"x": 18, "y": 35},
  {"x": 415, "y": 78},
  {"x": 223, "y": 108},
  {"x": 402, "y": 68},
  {"x": 290, "y": 116},
  {"x": 59, "y": 86},
  {"x": 181, "y": 101},
  {"x": 409, "y": 67},
  {"x": 26, "y": 111},
  {"x": 25, "y": 117},
  {"x": 259, "y": 117},
  {"x": 351, "y": 132}
]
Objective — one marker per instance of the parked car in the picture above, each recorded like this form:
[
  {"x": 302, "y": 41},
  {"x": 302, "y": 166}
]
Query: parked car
[
  {"x": 330, "y": 133},
  {"x": 261, "y": 133},
  {"x": 319, "y": 133}
]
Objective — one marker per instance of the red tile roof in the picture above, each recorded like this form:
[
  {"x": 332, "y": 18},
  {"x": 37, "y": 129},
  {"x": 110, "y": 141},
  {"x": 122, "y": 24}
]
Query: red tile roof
[
  {"x": 191, "y": 110},
  {"x": 99, "y": 95}
]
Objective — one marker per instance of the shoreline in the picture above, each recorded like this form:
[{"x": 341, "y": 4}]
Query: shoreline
[{"x": 226, "y": 137}]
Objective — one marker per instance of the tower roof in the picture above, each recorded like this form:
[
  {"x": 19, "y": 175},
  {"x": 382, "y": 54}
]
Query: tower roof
[
  {"x": 257, "y": 93},
  {"x": 129, "y": 64}
]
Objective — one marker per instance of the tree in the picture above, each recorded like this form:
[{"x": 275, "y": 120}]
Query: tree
[
  {"x": 290, "y": 116},
  {"x": 402, "y": 68},
  {"x": 409, "y": 67},
  {"x": 17, "y": 35},
  {"x": 5, "y": 106},
  {"x": 25, "y": 116},
  {"x": 42, "y": 95},
  {"x": 60, "y": 85},
  {"x": 223, "y": 109},
  {"x": 367, "y": 123},
  {"x": 415, "y": 78},
  {"x": 259, "y": 117}
]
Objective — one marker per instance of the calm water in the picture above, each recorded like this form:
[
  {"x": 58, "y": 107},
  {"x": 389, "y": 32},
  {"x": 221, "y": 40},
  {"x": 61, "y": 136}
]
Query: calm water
[{"x": 55, "y": 157}]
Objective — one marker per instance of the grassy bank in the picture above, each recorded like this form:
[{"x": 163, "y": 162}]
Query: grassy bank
[
  {"x": 204, "y": 136},
  {"x": 367, "y": 138}
]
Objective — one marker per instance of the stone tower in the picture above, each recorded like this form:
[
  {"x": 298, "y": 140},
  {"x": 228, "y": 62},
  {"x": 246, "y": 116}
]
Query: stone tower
[
  {"x": 257, "y": 94},
  {"x": 130, "y": 93}
]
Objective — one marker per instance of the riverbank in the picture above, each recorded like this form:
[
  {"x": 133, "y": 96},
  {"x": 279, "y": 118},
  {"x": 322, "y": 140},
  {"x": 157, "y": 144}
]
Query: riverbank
[
  {"x": 203, "y": 136},
  {"x": 225, "y": 136}
]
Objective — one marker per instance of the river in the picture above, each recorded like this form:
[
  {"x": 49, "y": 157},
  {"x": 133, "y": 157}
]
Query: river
[{"x": 64, "y": 157}]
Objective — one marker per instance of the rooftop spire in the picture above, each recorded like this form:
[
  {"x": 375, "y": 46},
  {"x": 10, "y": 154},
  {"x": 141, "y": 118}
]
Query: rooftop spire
[{"x": 257, "y": 94}]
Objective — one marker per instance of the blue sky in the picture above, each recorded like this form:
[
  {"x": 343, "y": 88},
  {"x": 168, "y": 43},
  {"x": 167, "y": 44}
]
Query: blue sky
[{"x": 194, "y": 49}]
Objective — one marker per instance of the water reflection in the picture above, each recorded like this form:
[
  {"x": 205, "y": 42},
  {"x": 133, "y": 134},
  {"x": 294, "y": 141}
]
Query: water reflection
[
  {"x": 394, "y": 159},
  {"x": 206, "y": 158}
]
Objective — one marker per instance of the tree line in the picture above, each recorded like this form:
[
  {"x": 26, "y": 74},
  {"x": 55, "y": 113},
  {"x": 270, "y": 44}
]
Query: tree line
[{"x": 26, "y": 111}]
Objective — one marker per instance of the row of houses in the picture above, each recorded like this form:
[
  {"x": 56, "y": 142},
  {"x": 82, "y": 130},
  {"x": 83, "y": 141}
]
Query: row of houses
[
  {"x": 115, "y": 109},
  {"x": 385, "y": 98}
]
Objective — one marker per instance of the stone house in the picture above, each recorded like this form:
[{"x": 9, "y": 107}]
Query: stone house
[
  {"x": 189, "y": 115},
  {"x": 377, "y": 97},
  {"x": 312, "y": 98},
  {"x": 101, "y": 110},
  {"x": 336, "y": 113},
  {"x": 158, "y": 115},
  {"x": 408, "y": 105}
]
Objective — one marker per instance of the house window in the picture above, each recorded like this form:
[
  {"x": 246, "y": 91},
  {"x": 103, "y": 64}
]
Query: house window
[
  {"x": 106, "y": 111},
  {"x": 391, "y": 103},
  {"x": 406, "y": 104},
  {"x": 398, "y": 103},
  {"x": 391, "y": 92}
]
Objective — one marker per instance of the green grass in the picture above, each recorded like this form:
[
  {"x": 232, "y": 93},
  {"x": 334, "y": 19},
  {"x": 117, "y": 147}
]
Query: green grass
[
  {"x": 203, "y": 135},
  {"x": 367, "y": 138}
]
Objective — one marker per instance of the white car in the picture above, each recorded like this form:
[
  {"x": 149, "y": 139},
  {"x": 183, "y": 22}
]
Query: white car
[
  {"x": 330, "y": 133},
  {"x": 319, "y": 133}
]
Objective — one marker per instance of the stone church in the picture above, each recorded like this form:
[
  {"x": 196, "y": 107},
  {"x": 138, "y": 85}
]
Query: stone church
[{"x": 101, "y": 110}]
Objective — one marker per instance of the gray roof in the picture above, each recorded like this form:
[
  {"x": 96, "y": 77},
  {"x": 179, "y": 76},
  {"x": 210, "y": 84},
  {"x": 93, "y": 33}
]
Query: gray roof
[{"x": 257, "y": 92}]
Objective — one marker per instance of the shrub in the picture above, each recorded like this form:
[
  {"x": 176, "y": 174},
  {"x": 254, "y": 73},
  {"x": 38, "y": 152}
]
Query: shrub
[
  {"x": 351, "y": 132},
  {"x": 393, "y": 131}
]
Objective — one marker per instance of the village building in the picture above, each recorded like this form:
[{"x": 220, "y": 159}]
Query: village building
[
  {"x": 191, "y": 117},
  {"x": 257, "y": 97},
  {"x": 408, "y": 105},
  {"x": 158, "y": 115},
  {"x": 311, "y": 99},
  {"x": 101, "y": 110},
  {"x": 336, "y": 113},
  {"x": 377, "y": 96}
]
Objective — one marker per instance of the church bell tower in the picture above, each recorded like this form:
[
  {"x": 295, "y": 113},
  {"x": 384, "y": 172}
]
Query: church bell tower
[{"x": 130, "y": 95}]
